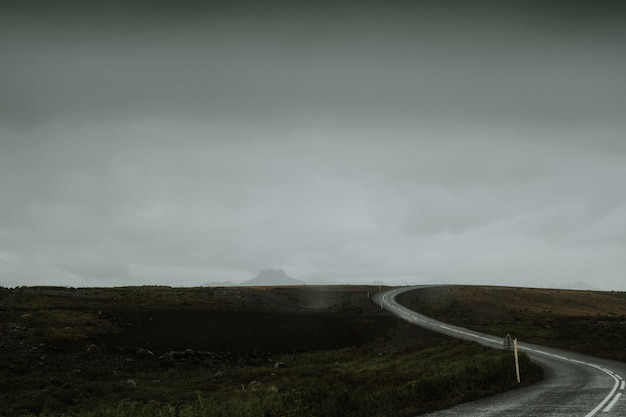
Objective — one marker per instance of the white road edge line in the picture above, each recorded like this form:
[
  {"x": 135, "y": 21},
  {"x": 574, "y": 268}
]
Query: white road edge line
[
  {"x": 407, "y": 313},
  {"x": 612, "y": 403},
  {"x": 605, "y": 370}
]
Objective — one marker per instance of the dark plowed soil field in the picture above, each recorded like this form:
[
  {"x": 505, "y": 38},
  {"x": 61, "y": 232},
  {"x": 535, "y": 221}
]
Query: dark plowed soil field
[{"x": 163, "y": 330}]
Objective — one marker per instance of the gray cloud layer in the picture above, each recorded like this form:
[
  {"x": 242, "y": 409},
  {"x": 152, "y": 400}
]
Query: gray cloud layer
[{"x": 410, "y": 144}]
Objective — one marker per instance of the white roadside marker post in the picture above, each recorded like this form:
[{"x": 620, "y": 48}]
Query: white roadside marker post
[{"x": 516, "y": 360}]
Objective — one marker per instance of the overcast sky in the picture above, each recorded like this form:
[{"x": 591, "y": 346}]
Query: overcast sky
[{"x": 437, "y": 142}]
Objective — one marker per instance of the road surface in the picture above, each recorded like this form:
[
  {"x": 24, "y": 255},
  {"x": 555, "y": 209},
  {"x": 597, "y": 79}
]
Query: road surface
[{"x": 573, "y": 385}]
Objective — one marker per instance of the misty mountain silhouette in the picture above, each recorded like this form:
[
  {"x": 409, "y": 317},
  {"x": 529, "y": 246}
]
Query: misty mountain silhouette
[{"x": 272, "y": 277}]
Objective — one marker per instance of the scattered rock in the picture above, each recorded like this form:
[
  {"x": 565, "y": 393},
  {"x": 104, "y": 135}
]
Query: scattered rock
[
  {"x": 131, "y": 383},
  {"x": 144, "y": 353},
  {"x": 279, "y": 365},
  {"x": 92, "y": 348},
  {"x": 167, "y": 358}
]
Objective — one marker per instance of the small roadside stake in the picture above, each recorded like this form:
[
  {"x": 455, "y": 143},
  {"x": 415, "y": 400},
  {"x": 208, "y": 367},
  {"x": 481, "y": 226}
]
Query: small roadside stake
[{"x": 516, "y": 360}]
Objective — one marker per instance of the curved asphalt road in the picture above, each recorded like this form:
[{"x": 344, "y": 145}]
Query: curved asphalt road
[{"x": 574, "y": 385}]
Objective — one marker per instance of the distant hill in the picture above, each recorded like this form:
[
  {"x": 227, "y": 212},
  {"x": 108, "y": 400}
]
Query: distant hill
[{"x": 269, "y": 277}]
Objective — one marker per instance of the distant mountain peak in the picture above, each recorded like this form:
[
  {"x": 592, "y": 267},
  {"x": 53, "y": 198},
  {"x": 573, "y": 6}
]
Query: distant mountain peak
[{"x": 270, "y": 277}]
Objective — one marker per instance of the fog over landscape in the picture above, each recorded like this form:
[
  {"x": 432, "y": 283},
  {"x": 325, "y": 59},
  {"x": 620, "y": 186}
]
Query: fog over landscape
[{"x": 405, "y": 142}]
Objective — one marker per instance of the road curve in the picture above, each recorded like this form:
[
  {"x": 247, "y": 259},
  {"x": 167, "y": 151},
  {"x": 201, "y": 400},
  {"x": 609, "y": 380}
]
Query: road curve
[{"x": 574, "y": 385}]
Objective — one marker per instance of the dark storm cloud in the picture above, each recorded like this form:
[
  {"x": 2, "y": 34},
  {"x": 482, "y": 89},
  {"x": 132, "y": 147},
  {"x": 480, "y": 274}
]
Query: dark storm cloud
[
  {"x": 432, "y": 63},
  {"x": 203, "y": 142}
]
